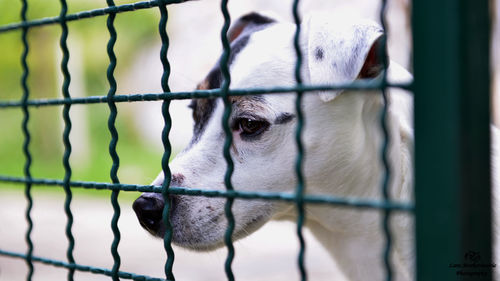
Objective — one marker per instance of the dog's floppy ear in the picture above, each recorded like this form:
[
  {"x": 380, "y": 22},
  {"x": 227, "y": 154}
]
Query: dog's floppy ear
[
  {"x": 341, "y": 50},
  {"x": 247, "y": 24}
]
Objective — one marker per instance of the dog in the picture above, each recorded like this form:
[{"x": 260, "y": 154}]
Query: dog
[{"x": 342, "y": 137}]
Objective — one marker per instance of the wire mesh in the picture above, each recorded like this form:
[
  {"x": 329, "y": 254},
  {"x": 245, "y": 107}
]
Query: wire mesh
[{"x": 299, "y": 198}]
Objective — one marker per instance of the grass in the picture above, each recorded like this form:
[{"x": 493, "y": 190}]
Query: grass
[{"x": 140, "y": 161}]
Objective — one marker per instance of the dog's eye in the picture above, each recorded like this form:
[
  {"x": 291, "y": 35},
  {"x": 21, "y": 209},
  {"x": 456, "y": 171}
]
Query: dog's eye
[{"x": 250, "y": 127}]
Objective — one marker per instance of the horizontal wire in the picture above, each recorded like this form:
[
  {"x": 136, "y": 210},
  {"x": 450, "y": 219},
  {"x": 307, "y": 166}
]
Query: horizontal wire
[
  {"x": 288, "y": 197},
  {"x": 87, "y": 14},
  {"x": 357, "y": 85},
  {"x": 79, "y": 267}
]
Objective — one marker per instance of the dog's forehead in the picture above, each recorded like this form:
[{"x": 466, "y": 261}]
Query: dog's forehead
[
  {"x": 203, "y": 109},
  {"x": 268, "y": 60}
]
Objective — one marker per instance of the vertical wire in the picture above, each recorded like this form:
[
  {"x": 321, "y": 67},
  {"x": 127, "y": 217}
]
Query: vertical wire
[
  {"x": 167, "y": 239},
  {"x": 385, "y": 145},
  {"x": 226, "y": 81},
  {"x": 67, "y": 144},
  {"x": 300, "y": 149},
  {"x": 113, "y": 143},
  {"x": 27, "y": 139}
]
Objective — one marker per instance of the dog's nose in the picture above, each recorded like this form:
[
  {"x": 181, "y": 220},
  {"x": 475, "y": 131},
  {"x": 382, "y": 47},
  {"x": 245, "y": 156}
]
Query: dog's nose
[{"x": 149, "y": 210}]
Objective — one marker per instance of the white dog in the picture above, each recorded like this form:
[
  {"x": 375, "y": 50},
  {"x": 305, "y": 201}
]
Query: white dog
[{"x": 342, "y": 139}]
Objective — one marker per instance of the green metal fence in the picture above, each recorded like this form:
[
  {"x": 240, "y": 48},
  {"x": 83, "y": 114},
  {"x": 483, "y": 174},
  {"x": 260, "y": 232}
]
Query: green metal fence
[
  {"x": 452, "y": 93},
  {"x": 452, "y": 162}
]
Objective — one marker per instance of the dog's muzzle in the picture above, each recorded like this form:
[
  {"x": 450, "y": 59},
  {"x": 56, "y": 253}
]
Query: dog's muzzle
[{"x": 149, "y": 210}]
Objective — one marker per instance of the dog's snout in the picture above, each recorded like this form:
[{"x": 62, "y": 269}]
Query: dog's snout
[{"x": 149, "y": 210}]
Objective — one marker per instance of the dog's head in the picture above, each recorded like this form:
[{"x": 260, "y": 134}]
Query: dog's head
[{"x": 263, "y": 126}]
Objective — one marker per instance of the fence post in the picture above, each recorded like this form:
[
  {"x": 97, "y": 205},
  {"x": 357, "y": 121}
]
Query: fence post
[{"x": 452, "y": 92}]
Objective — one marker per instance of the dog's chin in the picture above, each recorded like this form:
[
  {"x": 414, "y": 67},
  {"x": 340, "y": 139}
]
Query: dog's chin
[{"x": 201, "y": 242}]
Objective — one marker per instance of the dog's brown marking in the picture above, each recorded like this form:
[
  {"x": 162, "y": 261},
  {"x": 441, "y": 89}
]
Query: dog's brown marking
[
  {"x": 212, "y": 81},
  {"x": 177, "y": 179},
  {"x": 235, "y": 32},
  {"x": 203, "y": 85},
  {"x": 248, "y": 104}
]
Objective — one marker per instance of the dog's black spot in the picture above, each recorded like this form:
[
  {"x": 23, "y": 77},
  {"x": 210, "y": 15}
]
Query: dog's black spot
[
  {"x": 256, "y": 18},
  {"x": 248, "y": 24},
  {"x": 214, "y": 78},
  {"x": 284, "y": 118},
  {"x": 202, "y": 110},
  {"x": 319, "y": 53}
]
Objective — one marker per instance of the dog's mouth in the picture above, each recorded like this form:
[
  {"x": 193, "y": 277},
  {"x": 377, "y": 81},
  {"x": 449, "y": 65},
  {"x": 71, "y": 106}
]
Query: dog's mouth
[{"x": 212, "y": 235}]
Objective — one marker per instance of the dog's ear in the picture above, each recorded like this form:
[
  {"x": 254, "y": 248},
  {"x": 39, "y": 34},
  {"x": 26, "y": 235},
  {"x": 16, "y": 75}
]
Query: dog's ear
[
  {"x": 247, "y": 24},
  {"x": 341, "y": 50}
]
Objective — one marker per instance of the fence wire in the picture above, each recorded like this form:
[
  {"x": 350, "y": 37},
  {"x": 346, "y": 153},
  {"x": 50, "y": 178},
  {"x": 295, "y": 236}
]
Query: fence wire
[{"x": 298, "y": 197}]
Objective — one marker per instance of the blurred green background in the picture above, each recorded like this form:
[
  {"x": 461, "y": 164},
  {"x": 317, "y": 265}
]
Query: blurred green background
[{"x": 90, "y": 160}]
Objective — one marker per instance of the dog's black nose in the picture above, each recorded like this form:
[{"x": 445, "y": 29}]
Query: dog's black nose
[{"x": 149, "y": 210}]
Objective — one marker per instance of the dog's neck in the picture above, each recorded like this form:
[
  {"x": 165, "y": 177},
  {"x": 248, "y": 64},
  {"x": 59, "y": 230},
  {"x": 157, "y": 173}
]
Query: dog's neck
[
  {"x": 349, "y": 231},
  {"x": 361, "y": 170},
  {"x": 351, "y": 149}
]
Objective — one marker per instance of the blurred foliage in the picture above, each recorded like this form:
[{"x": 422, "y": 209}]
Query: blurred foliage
[{"x": 139, "y": 162}]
